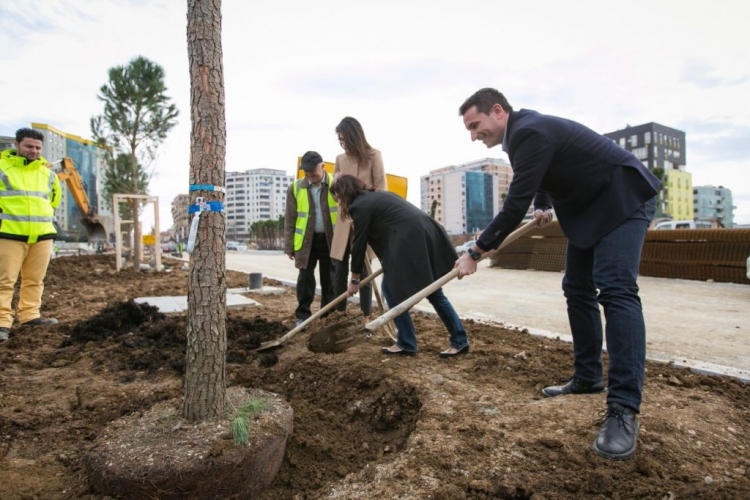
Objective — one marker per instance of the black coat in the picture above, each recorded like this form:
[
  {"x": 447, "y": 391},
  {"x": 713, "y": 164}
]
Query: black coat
[
  {"x": 593, "y": 184},
  {"x": 413, "y": 248}
]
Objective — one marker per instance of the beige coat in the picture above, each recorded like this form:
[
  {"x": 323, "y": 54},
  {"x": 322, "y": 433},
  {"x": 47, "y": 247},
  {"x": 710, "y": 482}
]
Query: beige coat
[{"x": 372, "y": 174}]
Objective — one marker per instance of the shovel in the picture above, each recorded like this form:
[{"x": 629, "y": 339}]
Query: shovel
[
  {"x": 344, "y": 334},
  {"x": 414, "y": 299},
  {"x": 390, "y": 327},
  {"x": 288, "y": 336}
]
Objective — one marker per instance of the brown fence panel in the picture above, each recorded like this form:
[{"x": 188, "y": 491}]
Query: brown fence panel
[{"x": 694, "y": 254}]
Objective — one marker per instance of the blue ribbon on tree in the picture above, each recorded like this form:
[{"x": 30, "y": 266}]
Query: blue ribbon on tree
[{"x": 198, "y": 208}]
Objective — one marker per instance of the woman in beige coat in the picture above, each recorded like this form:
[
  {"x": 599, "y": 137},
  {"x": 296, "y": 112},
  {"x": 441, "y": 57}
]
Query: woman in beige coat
[{"x": 366, "y": 163}]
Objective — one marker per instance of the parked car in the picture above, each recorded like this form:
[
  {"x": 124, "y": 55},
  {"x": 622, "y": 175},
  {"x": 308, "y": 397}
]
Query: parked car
[
  {"x": 233, "y": 246},
  {"x": 684, "y": 224},
  {"x": 461, "y": 249}
]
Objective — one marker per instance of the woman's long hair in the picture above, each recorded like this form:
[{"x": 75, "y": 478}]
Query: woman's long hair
[
  {"x": 346, "y": 189},
  {"x": 355, "y": 143}
]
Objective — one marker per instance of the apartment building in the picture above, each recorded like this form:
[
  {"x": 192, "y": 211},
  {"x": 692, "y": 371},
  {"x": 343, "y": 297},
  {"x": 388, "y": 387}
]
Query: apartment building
[
  {"x": 90, "y": 161},
  {"x": 180, "y": 219},
  {"x": 712, "y": 202},
  {"x": 467, "y": 196},
  {"x": 662, "y": 149},
  {"x": 7, "y": 142},
  {"x": 254, "y": 195}
]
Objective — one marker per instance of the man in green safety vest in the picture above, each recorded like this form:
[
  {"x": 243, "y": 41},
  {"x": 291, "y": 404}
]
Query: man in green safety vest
[
  {"x": 308, "y": 231},
  {"x": 29, "y": 194}
]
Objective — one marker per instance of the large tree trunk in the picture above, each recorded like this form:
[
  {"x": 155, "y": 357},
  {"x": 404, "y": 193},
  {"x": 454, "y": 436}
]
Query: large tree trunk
[{"x": 205, "y": 380}]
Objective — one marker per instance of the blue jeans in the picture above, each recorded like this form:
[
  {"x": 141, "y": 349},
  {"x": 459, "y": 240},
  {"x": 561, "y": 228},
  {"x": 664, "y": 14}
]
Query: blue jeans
[
  {"x": 407, "y": 337},
  {"x": 611, "y": 266}
]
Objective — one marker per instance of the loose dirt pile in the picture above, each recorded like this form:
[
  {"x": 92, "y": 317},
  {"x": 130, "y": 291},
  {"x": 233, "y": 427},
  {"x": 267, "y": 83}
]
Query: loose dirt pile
[{"x": 365, "y": 425}]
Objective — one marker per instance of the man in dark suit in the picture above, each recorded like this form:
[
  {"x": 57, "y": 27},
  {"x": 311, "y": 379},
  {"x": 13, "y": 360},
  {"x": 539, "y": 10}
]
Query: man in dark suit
[{"x": 603, "y": 198}]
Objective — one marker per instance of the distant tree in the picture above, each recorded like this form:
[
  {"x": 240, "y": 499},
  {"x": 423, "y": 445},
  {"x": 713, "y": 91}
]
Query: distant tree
[
  {"x": 433, "y": 208},
  {"x": 117, "y": 180},
  {"x": 268, "y": 234},
  {"x": 205, "y": 374},
  {"x": 137, "y": 117},
  {"x": 660, "y": 195}
]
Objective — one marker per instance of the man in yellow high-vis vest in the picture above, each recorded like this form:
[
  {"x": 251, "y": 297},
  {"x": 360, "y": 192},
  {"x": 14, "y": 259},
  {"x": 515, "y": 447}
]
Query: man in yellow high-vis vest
[
  {"x": 308, "y": 232},
  {"x": 29, "y": 194}
]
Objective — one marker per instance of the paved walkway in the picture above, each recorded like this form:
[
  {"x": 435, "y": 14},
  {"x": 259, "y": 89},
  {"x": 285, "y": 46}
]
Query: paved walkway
[{"x": 704, "y": 326}]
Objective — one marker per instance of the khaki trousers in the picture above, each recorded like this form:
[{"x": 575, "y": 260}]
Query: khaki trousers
[{"x": 31, "y": 261}]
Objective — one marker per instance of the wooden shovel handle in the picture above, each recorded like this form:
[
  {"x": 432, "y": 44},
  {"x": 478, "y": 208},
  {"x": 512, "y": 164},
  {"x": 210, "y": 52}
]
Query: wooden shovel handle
[
  {"x": 414, "y": 299},
  {"x": 390, "y": 327},
  {"x": 324, "y": 310}
]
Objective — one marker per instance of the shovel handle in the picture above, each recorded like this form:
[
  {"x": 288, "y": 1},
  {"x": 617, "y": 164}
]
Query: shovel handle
[
  {"x": 414, "y": 299},
  {"x": 324, "y": 310}
]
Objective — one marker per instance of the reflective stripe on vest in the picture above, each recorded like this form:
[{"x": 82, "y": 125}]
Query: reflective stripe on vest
[
  {"x": 25, "y": 218},
  {"x": 303, "y": 210}
]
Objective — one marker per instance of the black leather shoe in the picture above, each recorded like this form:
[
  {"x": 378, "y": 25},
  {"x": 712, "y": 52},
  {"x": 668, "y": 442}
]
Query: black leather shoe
[
  {"x": 619, "y": 434},
  {"x": 463, "y": 350},
  {"x": 574, "y": 386},
  {"x": 400, "y": 352},
  {"x": 41, "y": 322}
]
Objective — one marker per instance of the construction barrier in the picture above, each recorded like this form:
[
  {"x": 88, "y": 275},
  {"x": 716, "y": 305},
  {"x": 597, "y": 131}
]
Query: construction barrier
[{"x": 694, "y": 254}]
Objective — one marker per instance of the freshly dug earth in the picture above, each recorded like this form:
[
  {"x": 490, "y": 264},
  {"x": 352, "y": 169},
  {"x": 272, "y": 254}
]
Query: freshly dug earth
[{"x": 365, "y": 425}]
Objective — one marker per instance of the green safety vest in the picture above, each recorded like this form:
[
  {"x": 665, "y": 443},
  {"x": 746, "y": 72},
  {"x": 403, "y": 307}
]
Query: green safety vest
[
  {"x": 303, "y": 210},
  {"x": 29, "y": 194}
]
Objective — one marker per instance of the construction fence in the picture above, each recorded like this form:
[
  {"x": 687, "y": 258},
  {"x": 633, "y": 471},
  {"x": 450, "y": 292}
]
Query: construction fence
[{"x": 694, "y": 254}]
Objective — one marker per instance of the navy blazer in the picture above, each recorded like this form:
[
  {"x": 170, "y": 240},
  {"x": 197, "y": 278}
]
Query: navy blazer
[{"x": 592, "y": 183}]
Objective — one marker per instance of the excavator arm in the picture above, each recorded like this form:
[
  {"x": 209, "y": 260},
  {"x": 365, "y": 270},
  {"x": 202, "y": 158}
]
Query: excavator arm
[
  {"x": 94, "y": 227},
  {"x": 72, "y": 178}
]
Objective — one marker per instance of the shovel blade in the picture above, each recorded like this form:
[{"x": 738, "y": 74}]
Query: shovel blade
[{"x": 338, "y": 336}]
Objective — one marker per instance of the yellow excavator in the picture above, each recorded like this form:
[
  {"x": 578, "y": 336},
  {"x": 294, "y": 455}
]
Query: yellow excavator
[{"x": 66, "y": 171}]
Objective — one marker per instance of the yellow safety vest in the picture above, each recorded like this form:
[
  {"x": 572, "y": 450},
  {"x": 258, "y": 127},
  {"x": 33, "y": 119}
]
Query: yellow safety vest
[
  {"x": 303, "y": 210},
  {"x": 29, "y": 194}
]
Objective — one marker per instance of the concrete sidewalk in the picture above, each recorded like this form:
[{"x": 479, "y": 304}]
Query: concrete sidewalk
[{"x": 704, "y": 326}]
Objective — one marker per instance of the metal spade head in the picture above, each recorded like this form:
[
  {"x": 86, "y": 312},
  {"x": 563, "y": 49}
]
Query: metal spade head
[{"x": 338, "y": 336}]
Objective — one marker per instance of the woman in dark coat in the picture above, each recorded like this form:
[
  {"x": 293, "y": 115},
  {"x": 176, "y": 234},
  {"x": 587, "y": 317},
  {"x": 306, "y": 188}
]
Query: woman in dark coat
[{"x": 413, "y": 249}]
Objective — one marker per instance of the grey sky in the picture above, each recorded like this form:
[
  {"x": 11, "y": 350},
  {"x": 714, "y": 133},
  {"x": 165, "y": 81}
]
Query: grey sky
[{"x": 293, "y": 69}]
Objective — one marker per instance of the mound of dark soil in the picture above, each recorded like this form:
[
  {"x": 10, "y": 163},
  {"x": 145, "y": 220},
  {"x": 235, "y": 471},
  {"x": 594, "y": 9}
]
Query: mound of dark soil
[{"x": 116, "y": 319}]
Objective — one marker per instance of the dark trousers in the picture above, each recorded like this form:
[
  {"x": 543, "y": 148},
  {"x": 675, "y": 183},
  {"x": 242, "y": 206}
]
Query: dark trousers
[
  {"x": 611, "y": 266},
  {"x": 306, "y": 278},
  {"x": 407, "y": 334},
  {"x": 341, "y": 282}
]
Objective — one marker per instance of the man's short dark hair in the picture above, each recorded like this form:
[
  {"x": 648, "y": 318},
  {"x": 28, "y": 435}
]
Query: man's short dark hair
[
  {"x": 23, "y": 133},
  {"x": 484, "y": 99}
]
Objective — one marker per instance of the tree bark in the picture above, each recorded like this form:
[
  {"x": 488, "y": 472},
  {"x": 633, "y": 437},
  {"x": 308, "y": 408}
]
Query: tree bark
[{"x": 205, "y": 380}]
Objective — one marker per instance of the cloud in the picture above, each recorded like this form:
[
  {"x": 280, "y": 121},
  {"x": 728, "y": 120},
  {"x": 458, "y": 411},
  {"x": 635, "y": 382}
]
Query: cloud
[
  {"x": 717, "y": 140},
  {"x": 20, "y": 22},
  {"x": 731, "y": 145},
  {"x": 707, "y": 77},
  {"x": 388, "y": 80}
]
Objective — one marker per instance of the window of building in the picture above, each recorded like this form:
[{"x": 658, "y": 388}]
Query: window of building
[
  {"x": 647, "y": 138},
  {"x": 633, "y": 141}
]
